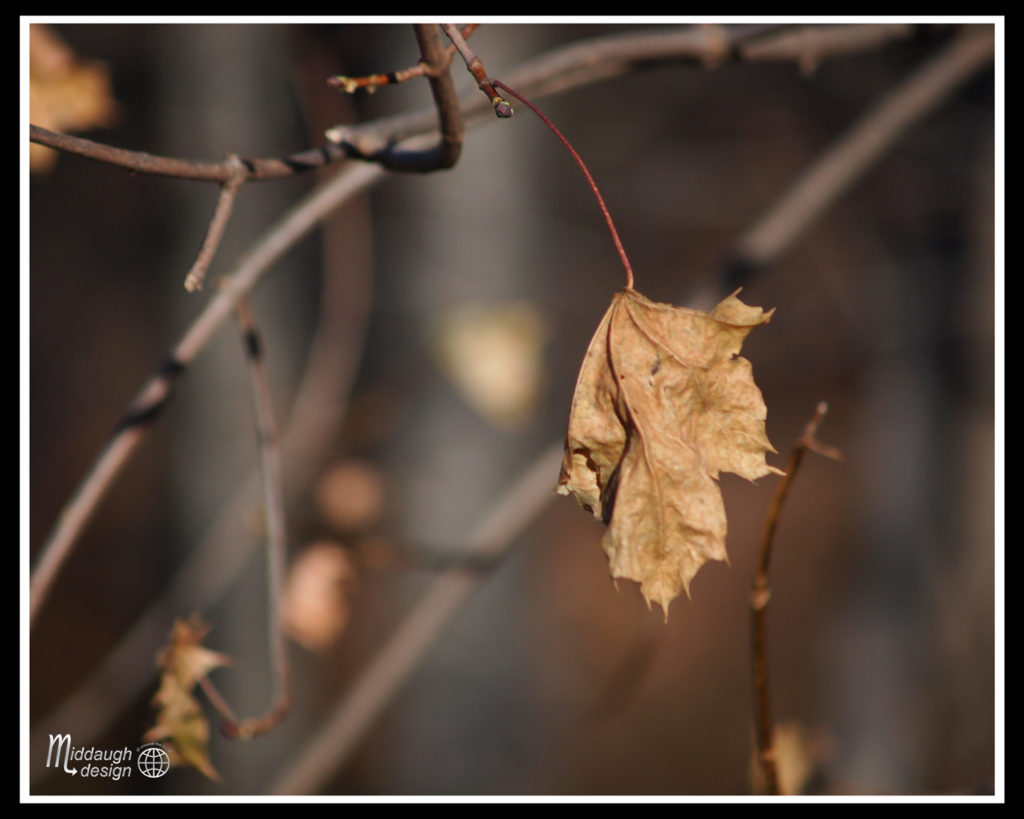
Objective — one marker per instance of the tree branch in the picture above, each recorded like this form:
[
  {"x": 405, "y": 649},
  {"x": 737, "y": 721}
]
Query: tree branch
[{"x": 853, "y": 154}]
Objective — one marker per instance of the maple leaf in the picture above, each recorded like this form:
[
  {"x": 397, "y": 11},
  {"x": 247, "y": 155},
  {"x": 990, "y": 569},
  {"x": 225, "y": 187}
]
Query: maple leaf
[
  {"x": 180, "y": 721},
  {"x": 663, "y": 404}
]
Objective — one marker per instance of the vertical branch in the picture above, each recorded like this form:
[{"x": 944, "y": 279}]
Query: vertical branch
[
  {"x": 446, "y": 152},
  {"x": 273, "y": 502},
  {"x": 760, "y": 595}
]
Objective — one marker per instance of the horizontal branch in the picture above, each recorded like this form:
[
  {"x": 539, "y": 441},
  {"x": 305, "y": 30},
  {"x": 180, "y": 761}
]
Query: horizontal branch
[
  {"x": 573, "y": 66},
  {"x": 194, "y": 169}
]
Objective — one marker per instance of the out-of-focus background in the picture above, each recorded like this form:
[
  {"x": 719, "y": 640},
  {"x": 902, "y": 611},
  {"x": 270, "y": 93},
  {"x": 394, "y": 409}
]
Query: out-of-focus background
[{"x": 457, "y": 309}]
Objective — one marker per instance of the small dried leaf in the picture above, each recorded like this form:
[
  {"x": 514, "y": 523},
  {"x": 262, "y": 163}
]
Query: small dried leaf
[
  {"x": 66, "y": 93},
  {"x": 180, "y": 721},
  {"x": 662, "y": 405},
  {"x": 494, "y": 356}
]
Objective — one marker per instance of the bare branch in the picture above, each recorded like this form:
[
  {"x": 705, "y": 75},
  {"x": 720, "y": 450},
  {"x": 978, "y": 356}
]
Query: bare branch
[
  {"x": 446, "y": 153},
  {"x": 476, "y": 68},
  {"x": 761, "y": 594},
  {"x": 274, "y": 512},
  {"x": 225, "y": 203},
  {"x": 202, "y": 170},
  {"x": 858, "y": 149}
]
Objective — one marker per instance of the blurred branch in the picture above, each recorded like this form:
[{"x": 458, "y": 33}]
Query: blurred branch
[
  {"x": 154, "y": 395},
  {"x": 276, "y": 537},
  {"x": 382, "y": 677},
  {"x": 808, "y": 46},
  {"x": 853, "y": 154},
  {"x": 219, "y": 555}
]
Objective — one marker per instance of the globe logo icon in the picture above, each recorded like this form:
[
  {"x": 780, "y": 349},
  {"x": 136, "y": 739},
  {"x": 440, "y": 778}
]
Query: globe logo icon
[{"x": 154, "y": 761}]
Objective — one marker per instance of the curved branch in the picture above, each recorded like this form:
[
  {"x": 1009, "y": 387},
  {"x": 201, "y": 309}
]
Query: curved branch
[{"x": 445, "y": 154}]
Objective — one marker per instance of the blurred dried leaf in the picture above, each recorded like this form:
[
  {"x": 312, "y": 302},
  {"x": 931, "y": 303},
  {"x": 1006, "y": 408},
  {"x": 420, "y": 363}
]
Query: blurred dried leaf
[
  {"x": 316, "y": 608},
  {"x": 66, "y": 93},
  {"x": 180, "y": 722},
  {"x": 351, "y": 495},
  {"x": 662, "y": 405},
  {"x": 800, "y": 755},
  {"x": 493, "y": 355}
]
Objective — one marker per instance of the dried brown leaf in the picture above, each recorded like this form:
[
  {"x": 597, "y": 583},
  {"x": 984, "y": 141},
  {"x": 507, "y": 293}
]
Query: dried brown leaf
[{"x": 663, "y": 404}]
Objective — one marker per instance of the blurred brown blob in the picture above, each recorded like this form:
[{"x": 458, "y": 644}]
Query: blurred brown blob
[
  {"x": 316, "y": 606},
  {"x": 351, "y": 496}
]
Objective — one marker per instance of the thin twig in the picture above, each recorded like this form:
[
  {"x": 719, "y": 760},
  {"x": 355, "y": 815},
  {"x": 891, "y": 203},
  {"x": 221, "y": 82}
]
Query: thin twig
[
  {"x": 476, "y": 68},
  {"x": 225, "y": 203},
  {"x": 593, "y": 61},
  {"x": 445, "y": 153},
  {"x": 372, "y": 82},
  {"x": 276, "y": 534},
  {"x": 761, "y": 593}
]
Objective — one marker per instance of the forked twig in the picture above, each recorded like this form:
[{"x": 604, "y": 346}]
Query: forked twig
[
  {"x": 476, "y": 68},
  {"x": 761, "y": 593},
  {"x": 372, "y": 82},
  {"x": 445, "y": 153}
]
